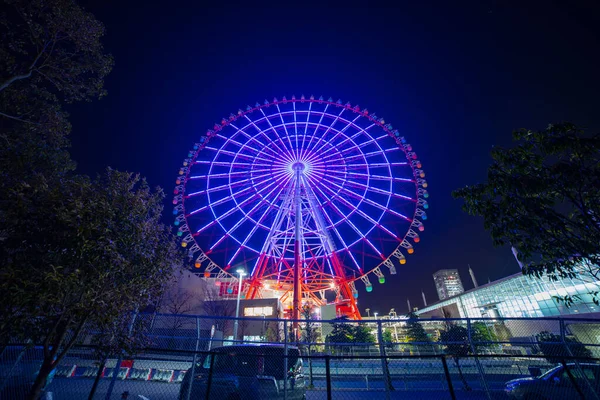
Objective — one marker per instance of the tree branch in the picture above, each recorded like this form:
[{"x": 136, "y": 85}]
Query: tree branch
[
  {"x": 18, "y": 119},
  {"x": 15, "y": 78}
]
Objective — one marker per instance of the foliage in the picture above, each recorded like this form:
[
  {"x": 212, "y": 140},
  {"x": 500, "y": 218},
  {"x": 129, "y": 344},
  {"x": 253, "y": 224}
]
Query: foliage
[
  {"x": 414, "y": 330},
  {"x": 273, "y": 332},
  {"x": 342, "y": 333},
  {"x": 388, "y": 338},
  {"x": 542, "y": 198},
  {"x": 482, "y": 335},
  {"x": 50, "y": 52},
  {"x": 363, "y": 334},
  {"x": 456, "y": 341},
  {"x": 309, "y": 333},
  {"x": 86, "y": 252},
  {"x": 555, "y": 350}
]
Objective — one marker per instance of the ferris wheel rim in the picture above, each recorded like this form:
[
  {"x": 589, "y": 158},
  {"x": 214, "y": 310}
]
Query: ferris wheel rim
[{"x": 375, "y": 122}]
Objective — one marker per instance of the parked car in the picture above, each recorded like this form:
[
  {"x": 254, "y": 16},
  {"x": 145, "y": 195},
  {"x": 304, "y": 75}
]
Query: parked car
[
  {"x": 556, "y": 384},
  {"x": 246, "y": 372}
]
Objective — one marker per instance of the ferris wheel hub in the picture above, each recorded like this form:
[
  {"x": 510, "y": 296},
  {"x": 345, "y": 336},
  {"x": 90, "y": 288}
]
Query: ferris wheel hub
[{"x": 298, "y": 166}]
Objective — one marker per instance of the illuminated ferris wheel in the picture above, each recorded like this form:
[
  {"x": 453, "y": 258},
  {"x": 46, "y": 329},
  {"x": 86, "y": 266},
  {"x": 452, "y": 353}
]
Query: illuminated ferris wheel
[{"x": 309, "y": 195}]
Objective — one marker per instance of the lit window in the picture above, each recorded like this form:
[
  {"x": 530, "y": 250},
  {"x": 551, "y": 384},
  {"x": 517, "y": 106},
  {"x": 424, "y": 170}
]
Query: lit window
[{"x": 258, "y": 311}]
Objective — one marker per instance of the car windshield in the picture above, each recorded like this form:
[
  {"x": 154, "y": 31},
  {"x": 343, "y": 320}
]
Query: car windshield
[
  {"x": 235, "y": 363},
  {"x": 549, "y": 372},
  {"x": 249, "y": 361}
]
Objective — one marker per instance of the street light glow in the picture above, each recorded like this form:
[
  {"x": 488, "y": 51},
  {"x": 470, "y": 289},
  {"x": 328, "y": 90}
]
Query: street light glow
[{"x": 241, "y": 272}]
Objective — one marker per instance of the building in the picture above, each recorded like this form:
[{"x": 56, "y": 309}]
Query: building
[
  {"x": 447, "y": 283},
  {"x": 519, "y": 296}
]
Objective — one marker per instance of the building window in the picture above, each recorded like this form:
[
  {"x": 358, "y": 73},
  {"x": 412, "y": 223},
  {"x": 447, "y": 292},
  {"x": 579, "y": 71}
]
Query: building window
[{"x": 258, "y": 311}]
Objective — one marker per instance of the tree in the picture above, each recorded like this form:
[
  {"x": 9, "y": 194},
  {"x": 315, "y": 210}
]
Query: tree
[
  {"x": 362, "y": 334},
  {"x": 416, "y": 333},
  {"x": 342, "y": 333},
  {"x": 309, "y": 335},
  {"x": 483, "y": 336},
  {"x": 455, "y": 338},
  {"x": 213, "y": 305},
  {"x": 542, "y": 199},
  {"x": 50, "y": 52},
  {"x": 388, "y": 338},
  {"x": 555, "y": 350},
  {"x": 86, "y": 252},
  {"x": 124, "y": 337}
]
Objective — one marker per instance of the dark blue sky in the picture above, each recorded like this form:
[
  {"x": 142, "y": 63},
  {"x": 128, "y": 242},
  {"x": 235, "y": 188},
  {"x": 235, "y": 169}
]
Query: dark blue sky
[{"x": 455, "y": 78}]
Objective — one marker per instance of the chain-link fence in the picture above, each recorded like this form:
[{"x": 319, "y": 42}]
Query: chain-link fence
[{"x": 197, "y": 357}]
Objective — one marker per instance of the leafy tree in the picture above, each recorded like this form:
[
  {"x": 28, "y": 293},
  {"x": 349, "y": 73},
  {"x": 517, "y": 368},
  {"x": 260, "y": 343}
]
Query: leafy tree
[
  {"x": 553, "y": 348},
  {"x": 342, "y": 334},
  {"x": 50, "y": 52},
  {"x": 455, "y": 339},
  {"x": 482, "y": 335},
  {"x": 416, "y": 333},
  {"x": 362, "y": 334},
  {"x": 309, "y": 334},
  {"x": 388, "y": 338},
  {"x": 86, "y": 252},
  {"x": 123, "y": 338},
  {"x": 542, "y": 198},
  {"x": 273, "y": 332}
]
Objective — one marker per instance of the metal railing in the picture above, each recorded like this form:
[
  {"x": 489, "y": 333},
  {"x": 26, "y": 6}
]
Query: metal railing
[{"x": 343, "y": 359}]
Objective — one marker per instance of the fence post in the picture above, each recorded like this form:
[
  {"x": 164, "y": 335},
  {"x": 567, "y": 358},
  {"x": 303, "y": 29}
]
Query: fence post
[
  {"x": 448, "y": 378},
  {"x": 384, "y": 366},
  {"x": 210, "y": 373},
  {"x": 117, "y": 368},
  {"x": 193, "y": 369},
  {"x": 573, "y": 381},
  {"x": 477, "y": 362},
  {"x": 328, "y": 376},
  {"x": 575, "y": 361},
  {"x": 285, "y": 358}
]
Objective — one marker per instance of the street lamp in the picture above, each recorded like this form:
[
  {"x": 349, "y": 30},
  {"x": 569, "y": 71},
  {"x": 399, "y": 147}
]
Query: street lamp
[
  {"x": 241, "y": 272},
  {"x": 375, "y": 314},
  {"x": 368, "y": 310}
]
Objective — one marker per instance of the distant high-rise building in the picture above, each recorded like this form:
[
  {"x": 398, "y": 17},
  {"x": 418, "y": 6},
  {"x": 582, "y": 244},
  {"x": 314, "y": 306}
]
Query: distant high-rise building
[{"x": 448, "y": 283}]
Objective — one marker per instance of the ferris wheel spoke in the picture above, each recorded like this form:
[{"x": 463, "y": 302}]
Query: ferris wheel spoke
[
  {"x": 247, "y": 217},
  {"x": 287, "y": 134},
  {"x": 296, "y": 132},
  {"x": 316, "y": 128},
  {"x": 229, "y": 164},
  {"x": 289, "y": 150},
  {"x": 353, "y": 146},
  {"x": 218, "y": 188},
  {"x": 371, "y": 203},
  {"x": 338, "y": 131},
  {"x": 233, "y": 209},
  {"x": 327, "y": 128},
  {"x": 346, "y": 218},
  {"x": 263, "y": 134},
  {"x": 254, "y": 139},
  {"x": 240, "y": 145},
  {"x": 332, "y": 225},
  {"x": 268, "y": 209},
  {"x": 303, "y": 147}
]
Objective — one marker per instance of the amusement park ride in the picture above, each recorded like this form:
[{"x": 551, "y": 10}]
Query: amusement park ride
[{"x": 309, "y": 195}]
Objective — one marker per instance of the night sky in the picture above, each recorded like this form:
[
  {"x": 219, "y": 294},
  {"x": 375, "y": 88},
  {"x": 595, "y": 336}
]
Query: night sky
[{"x": 455, "y": 78}]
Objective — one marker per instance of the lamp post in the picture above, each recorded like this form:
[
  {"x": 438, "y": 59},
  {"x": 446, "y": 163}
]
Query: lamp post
[{"x": 241, "y": 273}]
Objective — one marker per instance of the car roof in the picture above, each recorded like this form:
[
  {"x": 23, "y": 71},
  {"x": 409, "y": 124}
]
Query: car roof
[{"x": 252, "y": 346}]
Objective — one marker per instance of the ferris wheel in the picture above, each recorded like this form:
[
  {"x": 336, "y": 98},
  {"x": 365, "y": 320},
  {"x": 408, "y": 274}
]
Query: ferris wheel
[{"x": 310, "y": 196}]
